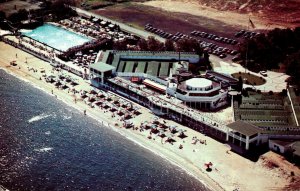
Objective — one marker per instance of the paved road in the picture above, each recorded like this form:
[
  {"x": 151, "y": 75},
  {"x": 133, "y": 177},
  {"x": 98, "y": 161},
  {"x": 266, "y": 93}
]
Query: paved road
[{"x": 124, "y": 27}]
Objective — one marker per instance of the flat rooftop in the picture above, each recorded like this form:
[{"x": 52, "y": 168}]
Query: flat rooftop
[
  {"x": 198, "y": 83},
  {"x": 244, "y": 128},
  {"x": 183, "y": 85}
]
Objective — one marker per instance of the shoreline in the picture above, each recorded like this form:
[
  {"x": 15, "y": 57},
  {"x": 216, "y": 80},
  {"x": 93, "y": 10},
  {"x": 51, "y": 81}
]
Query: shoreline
[
  {"x": 232, "y": 168},
  {"x": 202, "y": 178}
]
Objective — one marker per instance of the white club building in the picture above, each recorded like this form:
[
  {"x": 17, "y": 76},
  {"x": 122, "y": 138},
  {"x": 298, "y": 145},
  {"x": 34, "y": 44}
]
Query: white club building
[{"x": 200, "y": 93}]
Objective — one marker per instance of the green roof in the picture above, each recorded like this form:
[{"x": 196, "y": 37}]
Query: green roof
[
  {"x": 102, "y": 67},
  {"x": 140, "y": 67},
  {"x": 153, "y": 68},
  {"x": 129, "y": 66},
  {"x": 244, "y": 128},
  {"x": 164, "y": 69},
  {"x": 121, "y": 66}
]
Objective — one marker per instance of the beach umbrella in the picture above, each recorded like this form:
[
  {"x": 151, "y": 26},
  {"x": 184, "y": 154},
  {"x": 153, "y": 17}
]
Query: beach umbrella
[
  {"x": 92, "y": 91},
  {"x": 208, "y": 166},
  {"x": 58, "y": 83},
  {"x": 78, "y": 54}
]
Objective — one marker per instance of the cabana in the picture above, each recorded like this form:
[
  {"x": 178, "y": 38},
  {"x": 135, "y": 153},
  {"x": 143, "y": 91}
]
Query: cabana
[
  {"x": 50, "y": 79},
  {"x": 120, "y": 112},
  {"x": 154, "y": 129},
  {"x": 64, "y": 86},
  {"x": 98, "y": 103},
  {"x": 161, "y": 133},
  {"x": 58, "y": 83},
  {"x": 113, "y": 109},
  {"x": 173, "y": 129},
  {"x": 182, "y": 135},
  {"x": 105, "y": 105},
  {"x": 170, "y": 138},
  {"x": 127, "y": 116}
]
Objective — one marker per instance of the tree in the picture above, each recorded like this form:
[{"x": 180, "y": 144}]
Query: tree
[
  {"x": 143, "y": 44},
  {"x": 169, "y": 45},
  {"x": 120, "y": 45},
  {"x": 154, "y": 44},
  {"x": 189, "y": 45},
  {"x": 19, "y": 16},
  {"x": 2, "y": 15},
  {"x": 270, "y": 50},
  {"x": 240, "y": 84},
  {"x": 293, "y": 67},
  {"x": 183, "y": 45},
  {"x": 206, "y": 58},
  {"x": 61, "y": 9}
]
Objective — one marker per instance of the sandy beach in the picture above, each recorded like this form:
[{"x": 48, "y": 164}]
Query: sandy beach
[{"x": 229, "y": 171}]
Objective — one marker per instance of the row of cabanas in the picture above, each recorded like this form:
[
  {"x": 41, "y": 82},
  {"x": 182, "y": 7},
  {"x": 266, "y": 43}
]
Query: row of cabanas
[
  {"x": 63, "y": 81},
  {"x": 160, "y": 128},
  {"x": 110, "y": 102}
]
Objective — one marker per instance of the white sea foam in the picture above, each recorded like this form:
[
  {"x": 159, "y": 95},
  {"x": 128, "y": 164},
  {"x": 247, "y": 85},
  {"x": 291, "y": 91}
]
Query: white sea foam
[
  {"x": 67, "y": 117},
  {"x": 38, "y": 118},
  {"x": 47, "y": 133},
  {"x": 43, "y": 150}
]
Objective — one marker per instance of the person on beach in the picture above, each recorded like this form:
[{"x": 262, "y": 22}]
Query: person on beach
[{"x": 84, "y": 112}]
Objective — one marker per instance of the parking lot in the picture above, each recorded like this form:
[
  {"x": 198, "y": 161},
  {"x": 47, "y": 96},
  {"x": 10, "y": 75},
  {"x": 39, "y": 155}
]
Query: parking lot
[{"x": 223, "y": 47}]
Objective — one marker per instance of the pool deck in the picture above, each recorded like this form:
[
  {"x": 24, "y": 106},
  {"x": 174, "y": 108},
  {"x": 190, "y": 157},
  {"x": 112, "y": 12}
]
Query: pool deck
[{"x": 63, "y": 29}]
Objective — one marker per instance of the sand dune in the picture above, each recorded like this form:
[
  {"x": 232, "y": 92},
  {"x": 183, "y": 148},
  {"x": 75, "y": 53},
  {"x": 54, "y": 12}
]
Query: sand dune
[{"x": 264, "y": 15}]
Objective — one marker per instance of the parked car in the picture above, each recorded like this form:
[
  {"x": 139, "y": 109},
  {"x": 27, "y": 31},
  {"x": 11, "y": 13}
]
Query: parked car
[
  {"x": 222, "y": 55},
  {"x": 263, "y": 73},
  {"x": 236, "y": 58}
]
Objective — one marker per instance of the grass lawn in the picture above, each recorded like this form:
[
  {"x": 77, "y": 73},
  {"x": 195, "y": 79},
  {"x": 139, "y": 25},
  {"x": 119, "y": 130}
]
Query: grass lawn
[{"x": 250, "y": 79}]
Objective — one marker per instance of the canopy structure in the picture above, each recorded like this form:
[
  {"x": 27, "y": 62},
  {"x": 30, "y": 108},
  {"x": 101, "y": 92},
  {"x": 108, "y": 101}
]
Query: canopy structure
[
  {"x": 155, "y": 85},
  {"x": 244, "y": 128},
  {"x": 102, "y": 67}
]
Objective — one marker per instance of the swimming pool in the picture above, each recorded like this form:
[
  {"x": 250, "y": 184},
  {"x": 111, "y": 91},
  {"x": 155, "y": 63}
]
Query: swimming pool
[{"x": 56, "y": 37}]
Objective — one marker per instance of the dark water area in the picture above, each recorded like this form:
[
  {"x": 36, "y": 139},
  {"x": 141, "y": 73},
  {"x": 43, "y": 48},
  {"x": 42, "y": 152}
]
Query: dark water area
[{"x": 46, "y": 145}]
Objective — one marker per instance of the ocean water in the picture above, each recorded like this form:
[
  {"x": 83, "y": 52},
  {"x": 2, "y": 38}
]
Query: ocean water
[
  {"x": 56, "y": 37},
  {"x": 46, "y": 145}
]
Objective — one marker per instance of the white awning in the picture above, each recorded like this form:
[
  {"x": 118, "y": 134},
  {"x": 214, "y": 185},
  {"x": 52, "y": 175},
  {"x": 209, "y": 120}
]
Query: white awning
[{"x": 154, "y": 85}]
